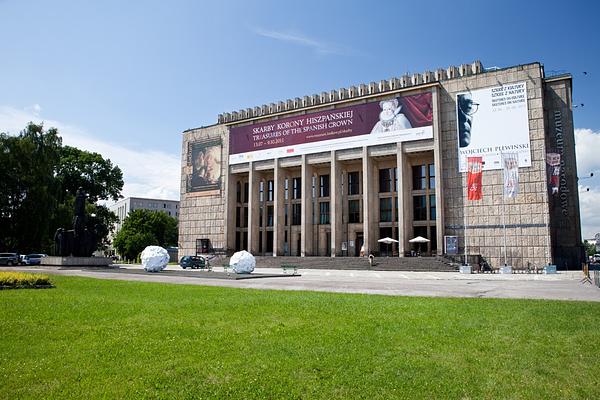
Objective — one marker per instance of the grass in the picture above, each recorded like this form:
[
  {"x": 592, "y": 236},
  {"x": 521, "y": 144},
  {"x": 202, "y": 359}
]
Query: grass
[
  {"x": 115, "y": 339},
  {"x": 23, "y": 280}
]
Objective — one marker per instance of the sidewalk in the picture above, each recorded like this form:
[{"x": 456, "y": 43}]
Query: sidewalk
[{"x": 562, "y": 286}]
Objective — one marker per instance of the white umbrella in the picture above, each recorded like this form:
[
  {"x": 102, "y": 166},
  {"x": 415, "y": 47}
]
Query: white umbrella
[
  {"x": 388, "y": 241},
  {"x": 419, "y": 240}
]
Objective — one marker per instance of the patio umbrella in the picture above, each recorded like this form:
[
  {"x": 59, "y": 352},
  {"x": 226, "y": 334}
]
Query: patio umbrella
[
  {"x": 388, "y": 241},
  {"x": 419, "y": 240}
]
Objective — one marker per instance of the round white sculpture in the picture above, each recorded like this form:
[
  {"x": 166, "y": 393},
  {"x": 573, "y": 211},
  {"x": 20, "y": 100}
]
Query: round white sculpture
[
  {"x": 242, "y": 262},
  {"x": 154, "y": 258}
]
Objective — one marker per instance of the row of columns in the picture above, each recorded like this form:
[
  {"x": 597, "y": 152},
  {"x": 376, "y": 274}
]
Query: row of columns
[{"x": 369, "y": 194}]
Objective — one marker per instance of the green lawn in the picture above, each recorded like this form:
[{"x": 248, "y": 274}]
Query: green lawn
[{"x": 91, "y": 338}]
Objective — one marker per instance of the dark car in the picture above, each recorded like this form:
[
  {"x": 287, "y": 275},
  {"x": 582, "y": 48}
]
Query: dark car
[
  {"x": 194, "y": 262},
  {"x": 9, "y": 259},
  {"x": 33, "y": 259}
]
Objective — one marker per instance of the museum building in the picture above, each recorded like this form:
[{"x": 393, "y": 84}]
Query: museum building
[{"x": 477, "y": 161}]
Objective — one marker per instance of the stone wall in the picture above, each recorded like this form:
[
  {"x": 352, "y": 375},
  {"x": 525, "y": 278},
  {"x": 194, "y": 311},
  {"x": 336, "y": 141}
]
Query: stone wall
[
  {"x": 565, "y": 223},
  {"x": 527, "y": 234},
  {"x": 202, "y": 214}
]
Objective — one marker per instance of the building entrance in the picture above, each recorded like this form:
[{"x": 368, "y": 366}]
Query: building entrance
[{"x": 358, "y": 243}]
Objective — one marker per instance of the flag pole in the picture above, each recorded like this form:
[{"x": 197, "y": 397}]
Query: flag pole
[
  {"x": 465, "y": 218},
  {"x": 504, "y": 223}
]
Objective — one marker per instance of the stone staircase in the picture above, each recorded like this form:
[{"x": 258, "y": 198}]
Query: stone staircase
[{"x": 423, "y": 264}]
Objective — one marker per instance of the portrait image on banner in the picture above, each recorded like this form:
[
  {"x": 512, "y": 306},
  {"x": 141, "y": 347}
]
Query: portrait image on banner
[
  {"x": 492, "y": 121},
  {"x": 204, "y": 165},
  {"x": 393, "y": 120},
  {"x": 553, "y": 161},
  {"x": 510, "y": 162}
]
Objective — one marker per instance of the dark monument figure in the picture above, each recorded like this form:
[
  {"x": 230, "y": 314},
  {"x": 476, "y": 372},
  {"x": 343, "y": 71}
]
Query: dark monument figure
[{"x": 78, "y": 242}]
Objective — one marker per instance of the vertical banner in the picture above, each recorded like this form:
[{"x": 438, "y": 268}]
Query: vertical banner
[
  {"x": 510, "y": 163},
  {"x": 474, "y": 178},
  {"x": 553, "y": 161}
]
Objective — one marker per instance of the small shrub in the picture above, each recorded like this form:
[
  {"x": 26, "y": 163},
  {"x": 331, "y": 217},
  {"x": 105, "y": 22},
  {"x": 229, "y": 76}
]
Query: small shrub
[{"x": 23, "y": 280}]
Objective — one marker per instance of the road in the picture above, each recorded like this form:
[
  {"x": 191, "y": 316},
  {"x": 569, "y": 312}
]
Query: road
[{"x": 561, "y": 286}]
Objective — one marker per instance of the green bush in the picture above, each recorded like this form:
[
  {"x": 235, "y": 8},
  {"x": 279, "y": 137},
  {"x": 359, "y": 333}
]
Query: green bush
[{"x": 23, "y": 280}]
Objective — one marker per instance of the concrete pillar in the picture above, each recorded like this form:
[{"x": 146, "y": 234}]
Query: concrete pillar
[
  {"x": 335, "y": 198},
  {"x": 369, "y": 207},
  {"x": 439, "y": 181},
  {"x": 231, "y": 196},
  {"x": 253, "y": 210},
  {"x": 403, "y": 195},
  {"x": 278, "y": 210},
  {"x": 306, "y": 227}
]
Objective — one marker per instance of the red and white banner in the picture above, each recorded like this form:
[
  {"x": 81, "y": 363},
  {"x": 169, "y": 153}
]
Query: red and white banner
[
  {"x": 474, "y": 177},
  {"x": 553, "y": 161},
  {"x": 510, "y": 163}
]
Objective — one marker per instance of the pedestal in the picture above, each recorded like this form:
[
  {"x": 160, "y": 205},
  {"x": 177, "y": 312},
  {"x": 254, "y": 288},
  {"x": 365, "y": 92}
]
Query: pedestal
[{"x": 76, "y": 261}]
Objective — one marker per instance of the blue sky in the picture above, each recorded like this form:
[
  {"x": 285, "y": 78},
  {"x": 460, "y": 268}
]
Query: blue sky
[{"x": 126, "y": 78}]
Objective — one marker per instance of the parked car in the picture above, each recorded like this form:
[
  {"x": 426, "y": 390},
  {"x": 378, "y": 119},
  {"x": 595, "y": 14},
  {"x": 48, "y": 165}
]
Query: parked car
[
  {"x": 194, "y": 262},
  {"x": 34, "y": 259},
  {"x": 9, "y": 259}
]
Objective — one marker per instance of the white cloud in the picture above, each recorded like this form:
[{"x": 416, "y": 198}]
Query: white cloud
[
  {"x": 146, "y": 173},
  {"x": 587, "y": 147},
  {"x": 589, "y": 204},
  {"x": 303, "y": 40}
]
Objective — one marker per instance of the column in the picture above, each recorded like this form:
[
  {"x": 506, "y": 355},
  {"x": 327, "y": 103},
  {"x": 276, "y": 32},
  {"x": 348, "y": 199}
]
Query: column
[
  {"x": 368, "y": 202},
  {"x": 439, "y": 181},
  {"x": 306, "y": 227},
  {"x": 253, "y": 210},
  {"x": 335, "y": 198},
  {"x": 231, "y": 202},
  {"x": 403, "y": 184},
  {"x": 278, "y": 210}
]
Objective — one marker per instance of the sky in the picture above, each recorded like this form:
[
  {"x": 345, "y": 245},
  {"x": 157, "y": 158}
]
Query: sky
[{"x": 125, "y": 78}]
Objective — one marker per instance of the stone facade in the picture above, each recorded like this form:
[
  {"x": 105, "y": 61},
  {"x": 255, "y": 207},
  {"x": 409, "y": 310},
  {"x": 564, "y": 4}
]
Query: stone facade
[{"x": 254, "y": 207}]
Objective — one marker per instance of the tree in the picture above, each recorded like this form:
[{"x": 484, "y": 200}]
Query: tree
[
  {"x": 143, "y": 228},
  {"x": 590, "y": 248},
  {"x": 38, "y": 181},
  {"x": 27, "y": 187}
]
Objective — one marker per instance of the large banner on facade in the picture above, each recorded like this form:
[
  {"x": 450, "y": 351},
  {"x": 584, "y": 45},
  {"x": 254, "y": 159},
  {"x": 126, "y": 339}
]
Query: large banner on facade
[
  {"x": 203, "y": 170},
  {"x": 492, "y": 121},
  {"x": 389, "y": 121}
]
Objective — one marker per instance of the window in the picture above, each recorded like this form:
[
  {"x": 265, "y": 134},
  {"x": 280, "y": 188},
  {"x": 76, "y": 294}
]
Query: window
[
  {"x": 245, "y": 219},
  {"x": 260, "y": 216},
  {"x": 261, "y": 191},
  {"x": 324, "y": 213},
  {"x": 354, "y": 211},
  {"x": 419, "y": 177},
  {"x": 432, "y": 207},
  {"x": 323, "y": 185},
  {"x": 431, "y": 176},
  {"x": 353, "y": 183},
  {"x": 238, "y": 217},
  {"x": 246, "y": 191},
  {"x": 296, "y": 214},
  {"x": 386, "y": 177},
  {"x": 285, "y": 211},
  {"x": 297, "y": 188},
  {"x": 385, "y": 209},
  {"x": 420, "y": 208},
  {"x": 269, "y": 215},
  {"x": 238, "y": 192},
  {"x": 270, "y": 190},
  {"x": 285, "y": 189}
]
